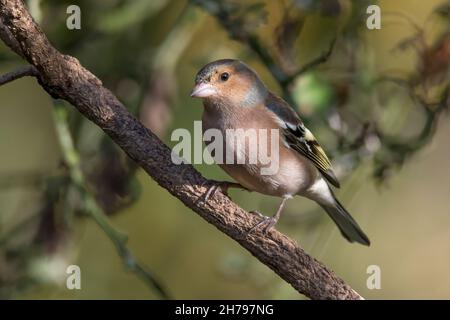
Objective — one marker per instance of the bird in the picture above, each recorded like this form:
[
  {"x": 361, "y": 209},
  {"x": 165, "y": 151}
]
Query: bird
[{"x": 235, "y": 97}]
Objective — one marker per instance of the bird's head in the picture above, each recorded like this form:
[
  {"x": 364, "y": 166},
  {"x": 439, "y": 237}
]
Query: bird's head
[{"x": 229, "y": 81}]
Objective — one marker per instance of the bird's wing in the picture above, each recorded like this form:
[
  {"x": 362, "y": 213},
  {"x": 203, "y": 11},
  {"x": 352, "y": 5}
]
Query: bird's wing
[{"x": 299, "y": 138}]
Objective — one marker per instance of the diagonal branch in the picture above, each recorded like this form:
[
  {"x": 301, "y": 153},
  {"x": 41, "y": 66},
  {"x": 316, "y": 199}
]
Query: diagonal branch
[{"x": 63, "y": 77}]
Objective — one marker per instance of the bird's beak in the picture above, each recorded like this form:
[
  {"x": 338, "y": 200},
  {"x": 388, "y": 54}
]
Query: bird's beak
[{"x": 202, "y": 90}]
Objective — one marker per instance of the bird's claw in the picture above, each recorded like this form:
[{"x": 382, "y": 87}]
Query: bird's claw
[
  {"x": 211, "y": 191},
  {"x": 257, "y": 213},
  {"x": 265, "y": 224},
  {"x": 215, "y": 186}
]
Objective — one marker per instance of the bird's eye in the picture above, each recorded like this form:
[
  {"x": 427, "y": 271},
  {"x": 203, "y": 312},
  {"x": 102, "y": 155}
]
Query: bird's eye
[{"x": 224, "y": 76}]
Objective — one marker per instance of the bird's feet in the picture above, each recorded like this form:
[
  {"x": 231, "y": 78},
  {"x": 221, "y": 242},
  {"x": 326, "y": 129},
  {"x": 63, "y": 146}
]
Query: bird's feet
[
  {"x": 257, "y": 213},
  {"x": 265, "y": 224},
  {"x": 223, "y": 186}
]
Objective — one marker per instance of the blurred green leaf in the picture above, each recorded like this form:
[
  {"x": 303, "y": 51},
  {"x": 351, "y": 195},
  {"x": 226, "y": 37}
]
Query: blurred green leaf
[{"x": 313, "y": 93}]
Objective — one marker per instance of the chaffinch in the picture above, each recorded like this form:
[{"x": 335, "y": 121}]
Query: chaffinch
[{"x": 234, "y": 97}]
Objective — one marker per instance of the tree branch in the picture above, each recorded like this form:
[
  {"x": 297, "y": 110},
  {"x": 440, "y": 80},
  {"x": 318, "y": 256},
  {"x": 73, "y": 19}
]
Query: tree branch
[
  {"x": 8, "y": 38},
  {"x": 63, "y": 77},
  {"x": 26, "y": 71}
]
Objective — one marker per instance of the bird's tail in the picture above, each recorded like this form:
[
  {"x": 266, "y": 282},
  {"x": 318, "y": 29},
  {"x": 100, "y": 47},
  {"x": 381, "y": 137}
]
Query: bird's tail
[{"x": 346, "y": 224}]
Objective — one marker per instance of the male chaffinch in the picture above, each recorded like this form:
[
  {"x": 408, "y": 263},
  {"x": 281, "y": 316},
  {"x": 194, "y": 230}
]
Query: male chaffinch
[{"x": 234, "y": 97}]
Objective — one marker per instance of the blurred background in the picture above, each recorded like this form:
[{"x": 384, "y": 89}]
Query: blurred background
[{"x": 377, "y": 100}]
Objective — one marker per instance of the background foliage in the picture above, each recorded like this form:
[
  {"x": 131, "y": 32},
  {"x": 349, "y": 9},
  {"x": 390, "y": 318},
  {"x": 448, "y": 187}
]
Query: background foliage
[{"x": 374, "y": 102}]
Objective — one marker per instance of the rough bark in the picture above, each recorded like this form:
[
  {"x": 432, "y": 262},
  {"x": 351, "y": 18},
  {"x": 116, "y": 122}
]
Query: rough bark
[{"x": 65, "y": 78}]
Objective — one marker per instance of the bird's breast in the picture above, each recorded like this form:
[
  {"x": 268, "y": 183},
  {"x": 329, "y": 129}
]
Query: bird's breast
[{"x": 253, "y": 152}]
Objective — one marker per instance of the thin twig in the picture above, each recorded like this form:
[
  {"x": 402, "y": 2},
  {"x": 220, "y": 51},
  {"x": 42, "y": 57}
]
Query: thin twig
[
  {"x": 9, "y": 39},
  {"x": 25, "y": 71},
  {"x": 312, "y": 64}
]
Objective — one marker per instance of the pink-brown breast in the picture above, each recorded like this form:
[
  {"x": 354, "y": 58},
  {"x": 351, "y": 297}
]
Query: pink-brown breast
[{"x": 295, "y": 173}]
